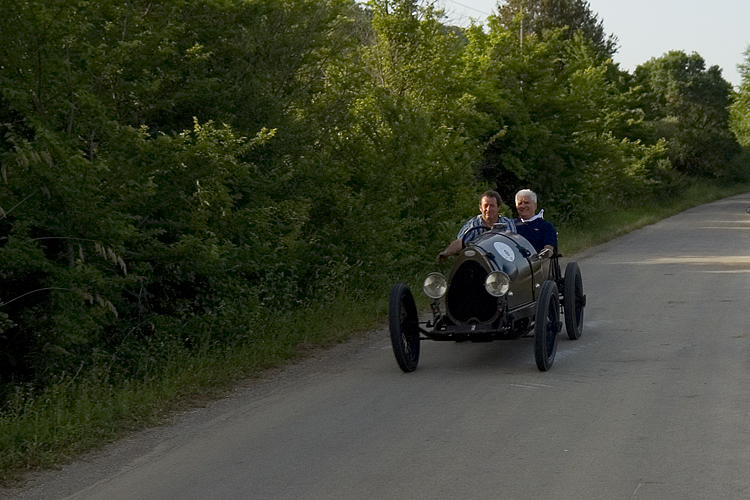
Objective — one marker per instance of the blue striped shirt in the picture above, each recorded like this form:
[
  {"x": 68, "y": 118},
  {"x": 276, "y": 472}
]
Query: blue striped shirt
[{"x": 475, "y": 227}]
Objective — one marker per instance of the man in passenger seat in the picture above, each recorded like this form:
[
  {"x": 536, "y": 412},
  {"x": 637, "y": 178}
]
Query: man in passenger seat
[{"x": 531, "y": 225}]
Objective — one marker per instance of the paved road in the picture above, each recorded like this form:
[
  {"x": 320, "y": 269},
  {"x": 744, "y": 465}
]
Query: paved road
[{"x": 653, "y": 402}]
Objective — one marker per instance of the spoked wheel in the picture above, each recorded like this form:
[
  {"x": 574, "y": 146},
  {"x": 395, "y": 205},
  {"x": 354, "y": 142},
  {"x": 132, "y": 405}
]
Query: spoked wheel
[
  {"x": 404, "y": 325},
  {"x": 546, "y": 326},
  {"x": 573, "y": 301}
]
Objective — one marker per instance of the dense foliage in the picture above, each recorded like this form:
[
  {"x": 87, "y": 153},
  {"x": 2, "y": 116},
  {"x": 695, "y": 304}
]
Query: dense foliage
[
  {"x": 175, "y": 173},
  {"x": 740, "y": 108},
  {"x": 688, "y": 105},
  {"x": 573, "y": 16}
]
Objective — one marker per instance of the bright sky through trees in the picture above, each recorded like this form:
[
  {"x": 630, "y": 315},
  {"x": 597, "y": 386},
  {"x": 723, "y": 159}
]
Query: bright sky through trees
[{"x": 718, "y": 30}]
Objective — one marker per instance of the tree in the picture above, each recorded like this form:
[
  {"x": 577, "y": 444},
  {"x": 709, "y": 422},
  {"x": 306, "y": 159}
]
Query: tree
[
  {"x": 114, "y": 198},
  {"x": 537, "y": 16},
  {"x": 406, "y": 154},
  {"x": 740, "y": 108},
  {"x": 548, "y": 101},
  {"x": 689, "y": 106}
]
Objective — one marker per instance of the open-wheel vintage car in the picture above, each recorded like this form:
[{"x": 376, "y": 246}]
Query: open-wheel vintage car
[{"x": 499, "y": 288}]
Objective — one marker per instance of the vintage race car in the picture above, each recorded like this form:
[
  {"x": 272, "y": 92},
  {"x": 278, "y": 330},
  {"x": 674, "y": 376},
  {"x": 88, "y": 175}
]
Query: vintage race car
[{"x": 499, "y": 288}]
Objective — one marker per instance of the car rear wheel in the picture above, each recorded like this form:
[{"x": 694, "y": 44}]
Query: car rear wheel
[
  {"x": 546, "y": 326},
  {"x": 404, "y": 325},
  {"x": 573, "y": 301}
]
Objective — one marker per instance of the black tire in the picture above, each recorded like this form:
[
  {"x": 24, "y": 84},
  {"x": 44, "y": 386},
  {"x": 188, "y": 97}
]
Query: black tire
[
  {"x": 404, "y": 325},
  {"x": 574, "y": 301},
  {"x": 546, "y": 326}
]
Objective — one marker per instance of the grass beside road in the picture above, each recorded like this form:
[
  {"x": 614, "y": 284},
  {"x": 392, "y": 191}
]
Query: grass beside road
[
  {"x": 45, "y": 428},
  {"x": 40, "y": 429},
  {"x": 609, "y": 224}
]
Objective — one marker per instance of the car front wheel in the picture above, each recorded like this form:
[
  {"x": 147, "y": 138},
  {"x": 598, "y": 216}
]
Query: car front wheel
[{"x": 404, "y": 325}]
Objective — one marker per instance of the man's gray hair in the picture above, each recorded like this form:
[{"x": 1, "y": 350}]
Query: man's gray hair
[{"x": 526, "y": 192}]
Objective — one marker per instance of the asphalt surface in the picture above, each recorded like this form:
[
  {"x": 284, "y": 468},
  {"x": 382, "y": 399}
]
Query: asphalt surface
[{"x": 653, "y": 402}]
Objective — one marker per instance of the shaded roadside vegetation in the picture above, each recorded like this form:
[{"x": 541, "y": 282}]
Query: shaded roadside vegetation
[{"x": 190, "y": 189}]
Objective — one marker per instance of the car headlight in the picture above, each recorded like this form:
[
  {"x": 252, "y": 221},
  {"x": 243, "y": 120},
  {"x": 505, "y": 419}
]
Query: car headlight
[
  {"x": 497, "y": 283},
  {"x": 435, "y": 285}
]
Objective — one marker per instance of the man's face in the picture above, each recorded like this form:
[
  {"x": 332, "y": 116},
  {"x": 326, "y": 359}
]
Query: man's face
[
  {"x": 525, "y": 206},
  {"x": 489, "y": 210}
]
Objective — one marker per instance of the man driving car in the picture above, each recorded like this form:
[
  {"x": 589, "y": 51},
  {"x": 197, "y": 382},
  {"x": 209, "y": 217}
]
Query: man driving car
[{"x": 489, "y": 215}]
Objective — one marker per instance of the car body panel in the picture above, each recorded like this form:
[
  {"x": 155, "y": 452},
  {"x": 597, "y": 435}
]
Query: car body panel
[{"x": 467, "y": 302}]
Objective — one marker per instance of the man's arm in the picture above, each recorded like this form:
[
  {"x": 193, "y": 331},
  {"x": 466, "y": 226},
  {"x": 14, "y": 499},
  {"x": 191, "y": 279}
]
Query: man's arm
[
  {"x": 452, "y": 249},
  {"x": 547, "y": 251},
  {"x": 550, "y": 238}
]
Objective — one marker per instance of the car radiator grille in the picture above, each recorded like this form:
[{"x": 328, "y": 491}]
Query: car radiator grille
[{"x": 467, "y": 300}]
